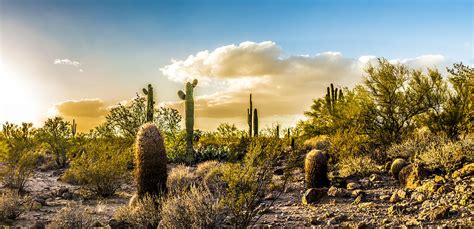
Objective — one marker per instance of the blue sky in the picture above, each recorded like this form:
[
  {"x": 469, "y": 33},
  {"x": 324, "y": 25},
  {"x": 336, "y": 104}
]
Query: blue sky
[{"x": 122, "y": 45}]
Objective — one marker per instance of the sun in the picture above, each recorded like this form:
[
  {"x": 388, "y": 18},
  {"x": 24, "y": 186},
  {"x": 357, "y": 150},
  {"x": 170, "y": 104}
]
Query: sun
[{"x": 18, "y": 102}]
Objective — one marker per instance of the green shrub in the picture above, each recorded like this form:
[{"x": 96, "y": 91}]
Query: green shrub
[
  {"x": 414, "y": 145},
  {"x": 448, "y": 156},
  {"x": 357, "y": 166},
  {"x": 194, "y": 208}
]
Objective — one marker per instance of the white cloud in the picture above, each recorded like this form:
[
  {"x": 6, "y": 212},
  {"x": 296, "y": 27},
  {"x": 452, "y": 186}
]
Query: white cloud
[{"x": 67, "y": 62}]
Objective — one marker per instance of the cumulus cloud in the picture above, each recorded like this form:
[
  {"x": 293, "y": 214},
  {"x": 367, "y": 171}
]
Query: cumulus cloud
[
  {"x": 281, "y": 85},
  {"x": 67, "y": 62},
  {"x": 88, "y": 113}
]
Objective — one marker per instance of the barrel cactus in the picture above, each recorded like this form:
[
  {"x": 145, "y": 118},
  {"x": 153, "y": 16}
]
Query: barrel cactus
[
  {"x": 150, "y": 161},
  {"x": 397, "y": 166},
  {"x": 316, "y": 169}
]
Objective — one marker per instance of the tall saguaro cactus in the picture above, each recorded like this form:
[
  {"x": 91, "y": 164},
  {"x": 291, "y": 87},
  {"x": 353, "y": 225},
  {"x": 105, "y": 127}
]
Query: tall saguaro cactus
[
  {"x": 255, "y": 122},
  {"x": 332, "y": 96},
  {"x": 249, "y": 117},
  {"x": 150, "y": 107},
  {"x": 189, "y": 110},
  {"x": 73, "y": 128}
]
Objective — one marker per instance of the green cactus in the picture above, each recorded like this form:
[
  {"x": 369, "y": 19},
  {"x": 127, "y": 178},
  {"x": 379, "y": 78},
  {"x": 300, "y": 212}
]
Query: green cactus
[
  {"x": 150, "y": 107},
  {"x": 189, "y": 118},
  {"x": 73, "y": 128},
  {"x": 332, "y": 97},
  {"x": 150, "y": 161},
  {"x": 397, "y": 165},
  {"x": 249, "y": 117},
  {"x": 255, "y": 122},
  {"x": 316, "y": 169},
  {"x": 277, "y": 132}
]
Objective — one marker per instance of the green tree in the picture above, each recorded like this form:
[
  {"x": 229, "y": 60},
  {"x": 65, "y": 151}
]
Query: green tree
[
  {"x": 169, "y": 120},
  {"x": 56, "y": 133}
]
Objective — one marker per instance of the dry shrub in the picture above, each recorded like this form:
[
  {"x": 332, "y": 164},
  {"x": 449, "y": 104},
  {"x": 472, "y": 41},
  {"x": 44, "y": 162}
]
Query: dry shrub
[
  {"x": 12, "y": 206},
  {"x": 203, "y": 168},
  {"x": 357, "y": 166},
  {"x": 72, "y": 216},
  {"x": 448, "y": 156},
  {"x": 145, "y": 214},
  {"x": 180, "y": 178},
  {"x": 320, "y": 142},
  {"x": 196, "y": 208},
  {"x": 347, "y": 143},
  {"x": 415, "y": 144}
]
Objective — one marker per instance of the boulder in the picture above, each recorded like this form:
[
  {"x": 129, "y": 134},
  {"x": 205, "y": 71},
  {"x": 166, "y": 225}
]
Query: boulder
[
  {"x": 314, "y": 195},
  {"x": 467, "y": 170},
  {"x": 411, "y": 175},
  {"x": 337, "y": 192},
  {"x": 353, "y": 186}
]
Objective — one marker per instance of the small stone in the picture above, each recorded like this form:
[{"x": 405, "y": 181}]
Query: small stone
[
  {"x": 395, "y": 210},
  {"x": 67, "y": 195},
  {"x": 418, "y": 197},
  {"x": 467, "y": 170},
  {"x": 367, "y": 205},
  {"x": 352, "y": 186},
  {"x": 357, "y": 192},
  {"x": 359, "y": 199},
  {"x": 337, "y": 192},
  {"x": 313, "y": 195},
  {"x": 438, "y": 213},
  {"x": 384, "y": 197},
  {"x": 278, "y": 172},
  {"x": 439, "y": 179},
  {"x": 374, "y": 177}
]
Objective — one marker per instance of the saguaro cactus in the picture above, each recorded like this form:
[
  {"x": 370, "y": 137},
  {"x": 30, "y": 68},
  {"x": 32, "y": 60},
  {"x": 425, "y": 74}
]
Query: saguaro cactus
[
  {"x": 249, "y": 117},
  {"x": 255, "y": 122},
  {"x": 189, "y": 110},
  {"x": 277, "y": 132},
  {"x": 150, "y": 161},
  {"x": 150, "y": 107},
  {"x": 73, "y": 128},
  {"x": 332, "y": 96}
]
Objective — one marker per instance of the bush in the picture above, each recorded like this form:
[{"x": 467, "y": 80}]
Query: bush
[
  {"x": 448, "y": 156},
  {"x": 414, "y": 145},
  {"x": 71, "y": 216},
  {"x": 12, "y": 206},
  {"x": 180, "y": 179},
  {"x": 357, "y": 166},
  {"x": 101, "y": 169},
  {"x": 195, "y": 208},
  {"x": 320, "y": 142},
  {"x": 347, "y": 143},
  {"x": 145, "y": 214}
]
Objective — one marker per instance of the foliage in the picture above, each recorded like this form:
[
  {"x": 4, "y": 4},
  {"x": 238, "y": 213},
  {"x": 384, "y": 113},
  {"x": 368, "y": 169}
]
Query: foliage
[
  {"x": 226, "y": 144},
  {"x": 415, "y": 144},
  {"x": 145, "y": 214},
  {"x": 180, "y": 179},
  {"x": 12, "y": 206},
  {"x": 357, "y": 166},
  {"x": 447, "y": 156},
  {"x": 168, "y": 120},
  {"x": 17, "y": 155},
  {"x": 194, "y": 208},
  {"x": 71, "y": 216},
  {"x": 346, "y": 143},
  {"x": 101, "y": 168},
  {"x": 56, "y": 133}
]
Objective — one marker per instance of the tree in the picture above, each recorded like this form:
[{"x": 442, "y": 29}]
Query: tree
[
  {"x": 169, "y": 120},
  {"x": 56, "y": 133}
]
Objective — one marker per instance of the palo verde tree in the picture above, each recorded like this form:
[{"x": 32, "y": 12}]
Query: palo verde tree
[{"x": 56, "y": 133}]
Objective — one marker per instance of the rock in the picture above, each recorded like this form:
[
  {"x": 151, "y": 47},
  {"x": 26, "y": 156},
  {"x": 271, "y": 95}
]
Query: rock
[
  {"x": 397, "y": 196},
  {"x": 411, "y": 175},
  {"x": 357, "y": 192},
  {"x": 41, "y": 200},
  {"x": 61, "y": 191},
  {"x": 418, "y": 197},
  {"x": 352, "y": 186},
  {"x": 395, "y": 210},
  {"x": 467, "y": 170},
  {"x": 278, "y": 172},
  {"x": 429, "y": 187},
  {"x": 439, "y": 179},
  {"x": 438, "y": 213},
  {"x": 313, "y": 195},
  {"x": 384, "y": 197},
  {"x": 67, "y": 195},
  {"x": 364, "y": 182},
  {"x": 337, "y": 192},
  {"x": 397, "y": 165},
  {"x": 374, "y": 177},
  {"x": 38, "y": 225},
  {"x": 337, "y": 219},
  {"x": 115, "y": 224},
  {"x": 359, "y": 199},
  {"x": 96, "y": 224},
  {"x": 367, "y": 205}
]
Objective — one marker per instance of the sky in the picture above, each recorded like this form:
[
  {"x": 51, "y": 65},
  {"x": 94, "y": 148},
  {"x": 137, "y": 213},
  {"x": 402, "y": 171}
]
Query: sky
[{"x": 76, "y": 58}]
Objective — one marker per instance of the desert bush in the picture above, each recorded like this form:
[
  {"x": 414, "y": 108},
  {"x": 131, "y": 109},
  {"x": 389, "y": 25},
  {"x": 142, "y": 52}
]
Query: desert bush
[
  {"x": 347, "y": 143},
  {"x": 72, "y": 216},
  {"x": 17, "y": 155},
  {"x": 320, "y": 142},
  {"x": 101, "y": 169},
  {"x": 145, "y": 213},
  {"x": 12, "y": 206},
  {"x": 448, "y": 156},
  {"x": 226, "y": 144},
  {"x": 180, "y": 179},
  {"x": 203, "y": 168},
  {"x": 357, "y": 166},
  {"x": 194, "y": 208},
  {"x": 56, "y": 134},
  {"x": 415, "y": 144}
]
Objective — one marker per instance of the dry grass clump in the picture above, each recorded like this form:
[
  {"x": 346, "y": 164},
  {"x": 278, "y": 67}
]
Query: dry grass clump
[
  {"x": 12, "y": 206},
  {"x": 357, "y": 166},
  {"x": 145, "y": 213},
  {"x": 414, "y": 145},
  {"x": 448, "y": 156},
  {"x": 180, "y": 178},
  {"x": 71, "y": 216},
  {"x": 203, "y": 168},
  {"x": 196, "y": 208},
  {"x": 320, "y": 142}
]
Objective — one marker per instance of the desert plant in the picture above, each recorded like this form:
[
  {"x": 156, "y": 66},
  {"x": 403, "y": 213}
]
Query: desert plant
[
  {"x": 56, "y": 133},
  {"x": 397, "y": 165},
  {"x": 188, "y": 97},
  {"x": 357, "y": 166},
  {"x": 180, "y": 179},
  {"x": 150, "y": 105},
  {"x": 255, "y": 123},
  {"x": 448, "y": 156},
  {"x": 194, "y": 208},
  {"x": 332, "y": 97},
  {"x": 72, "y": 216},
  {"x": 414, "y": 145},
  {"x": 150, "y": 161},
  {"x": 12, "y": 206},
  {"x": 316, "y": 169},
  {"x": 146, "y": 213}
]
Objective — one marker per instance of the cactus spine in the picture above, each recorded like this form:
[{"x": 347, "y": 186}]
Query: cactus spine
[
  {"x": 255, "y": 122},
  {"x": 249, "y": 117},
  {"x": 316, "y": 169},
  {"x": 332, "y": 96},
  {"x": 150, "y": 161},
  {"x": 188, "y": 97},
  {"x": 73, "y": 128},
  {"x": 150, "y": 103}
]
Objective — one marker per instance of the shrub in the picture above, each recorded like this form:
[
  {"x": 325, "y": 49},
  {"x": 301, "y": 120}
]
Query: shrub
[
  {"x": 320, "y": 142},
  {"x": 145, "y": 213},
  {"x": 12, "y": 206},
  {"x": 180, "y": 179},
  {"x": 414, "y": 145},
  {"x": 101, "y": 169},
  {"x": 357, "y": 166},
  {"x": 204, "y": 168},
  {"x": 448, "y": 156},
  {"x": 72, "y": 216},
  {"x": 150, "y": 159},
  {"x": 347, "y": 143},
  {"x": 195, "y": 208}
]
